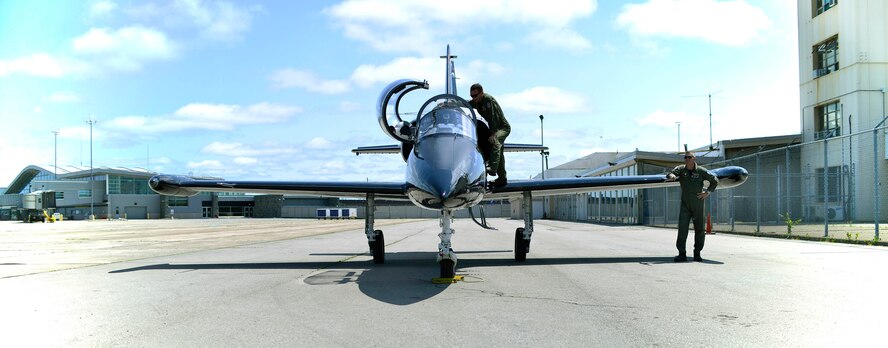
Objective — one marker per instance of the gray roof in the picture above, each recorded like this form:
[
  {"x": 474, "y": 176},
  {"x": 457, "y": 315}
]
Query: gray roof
[{"x": 69, "y": 173}]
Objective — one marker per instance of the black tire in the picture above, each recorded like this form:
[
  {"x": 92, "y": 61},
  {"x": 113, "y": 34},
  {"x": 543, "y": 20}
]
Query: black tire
[
  {"x": 520, "y": 245},
  {"x": 448, "y": 269},
  {"x": 378, "y": 248}
]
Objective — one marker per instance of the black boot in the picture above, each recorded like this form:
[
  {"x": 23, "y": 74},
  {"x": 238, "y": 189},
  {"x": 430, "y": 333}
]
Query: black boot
[
  {"x": 682, "y": 257},
  {"x": 697, "y": 256}
]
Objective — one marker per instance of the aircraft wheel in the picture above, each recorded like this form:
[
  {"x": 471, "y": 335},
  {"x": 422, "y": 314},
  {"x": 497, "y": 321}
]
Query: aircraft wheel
[
  {"x": 521, "y": 245},
  {"x": 378, "y": 248},
  {"x": 447, "y": 268}
]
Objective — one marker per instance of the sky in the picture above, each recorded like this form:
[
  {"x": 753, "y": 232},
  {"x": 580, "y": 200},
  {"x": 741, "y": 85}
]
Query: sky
[{"x": 283, "y": 90}]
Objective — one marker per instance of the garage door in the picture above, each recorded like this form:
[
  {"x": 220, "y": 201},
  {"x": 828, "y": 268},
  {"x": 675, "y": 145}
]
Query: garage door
[{"x": 136, "y": 212}]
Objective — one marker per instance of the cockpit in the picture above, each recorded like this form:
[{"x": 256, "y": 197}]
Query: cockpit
[{"x": 447, "y": 120}]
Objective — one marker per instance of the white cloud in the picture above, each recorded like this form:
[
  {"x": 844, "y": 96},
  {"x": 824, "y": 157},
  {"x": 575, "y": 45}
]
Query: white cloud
[
  {"x": 214, "y": 20},
  {"x": 62, "y": 97},
  {"x": 217, "y": 20},
  {"x": 102, "y": 9},
  {"x": 245, "y": 160},
  {"x": 544, "y": 99},
  {"x": 41, "y": 64},
  {"x": 288, "y": 78},
  {"x": 126, "y": 48},
  {"x": 368, "y": 75},
  {"x": 205, "y": 164},
  {"x": 319, "y": 143},
  {"x": 208, "y": 117},
  {"x": 418, "y": 68},
  {"x": 732, "y": 23},
  {"x": 561, "y": 37},
  {"x": 241, "y": 150},
  {"x": 390, "y": 26}
]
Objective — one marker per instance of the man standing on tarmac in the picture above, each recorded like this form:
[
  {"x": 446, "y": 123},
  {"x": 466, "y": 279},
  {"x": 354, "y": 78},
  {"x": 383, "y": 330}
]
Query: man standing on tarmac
[
  {"x": 691, "y": 177},
  {"x": 499, "y": 130}
]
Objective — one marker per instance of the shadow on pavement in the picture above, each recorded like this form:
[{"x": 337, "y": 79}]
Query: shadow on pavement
[{"x": 404, "y": 279}]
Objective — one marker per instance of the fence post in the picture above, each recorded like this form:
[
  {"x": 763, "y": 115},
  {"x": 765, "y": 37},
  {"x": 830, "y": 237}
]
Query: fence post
[
  {"x": 788, "y": 175},
  {"x": 876, "y": 180},
  {"x": 758, "y": 194},
  {"x": 825, "y": 189}
]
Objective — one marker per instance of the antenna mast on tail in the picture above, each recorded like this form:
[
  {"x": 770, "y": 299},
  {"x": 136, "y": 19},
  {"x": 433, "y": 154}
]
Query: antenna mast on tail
[{"x": 450, "y": 74}]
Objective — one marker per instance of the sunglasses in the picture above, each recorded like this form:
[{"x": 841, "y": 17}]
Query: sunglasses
[{"x": 689, "y": 157}]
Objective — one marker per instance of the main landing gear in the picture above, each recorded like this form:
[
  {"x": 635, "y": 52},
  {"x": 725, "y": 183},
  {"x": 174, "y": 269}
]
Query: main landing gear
[
  {"x": 375, "y": 238},
  {"x": 446, "y": 257},
  {"x": 523, "y": 234}
]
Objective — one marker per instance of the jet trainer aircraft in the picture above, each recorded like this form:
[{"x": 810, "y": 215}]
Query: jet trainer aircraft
[{"x": 445, "y": 170}]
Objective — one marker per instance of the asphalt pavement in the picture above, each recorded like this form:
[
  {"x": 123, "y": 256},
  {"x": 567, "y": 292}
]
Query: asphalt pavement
[{"x": 232, "y": 283}]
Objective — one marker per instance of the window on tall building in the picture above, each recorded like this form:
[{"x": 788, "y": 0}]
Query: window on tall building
[
  {"x": 820, "y": 6},
  {"x": 828, "y": 122},
  {"x": 826, "y": 57},
  {"x": 84, "y": 193}
]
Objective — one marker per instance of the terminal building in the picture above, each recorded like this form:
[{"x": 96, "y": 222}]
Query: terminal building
[{"x": 118, "y": 192}]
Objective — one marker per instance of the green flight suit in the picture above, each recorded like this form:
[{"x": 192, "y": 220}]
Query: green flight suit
[
  {"x": 499, "y": 128},
  {"x": 691, "y": 206}
]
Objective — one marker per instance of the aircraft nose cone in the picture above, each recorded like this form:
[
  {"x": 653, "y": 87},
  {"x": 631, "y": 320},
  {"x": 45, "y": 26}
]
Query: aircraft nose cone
[{"x": 442, "y": 185}]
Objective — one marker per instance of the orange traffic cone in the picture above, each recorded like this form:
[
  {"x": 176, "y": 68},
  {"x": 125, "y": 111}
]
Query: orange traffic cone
[{"x": 709, "y": 224}]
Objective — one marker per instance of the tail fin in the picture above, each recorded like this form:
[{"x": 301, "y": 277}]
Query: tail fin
[{"x": 450, "y": 73}]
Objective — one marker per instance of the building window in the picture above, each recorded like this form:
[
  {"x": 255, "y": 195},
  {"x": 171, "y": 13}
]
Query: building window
[
  {"x": 820, "y": 6},
  {"x": 84, "y": 193},
  {"x": 127, "y": 186},
  {"x": 178, "y": 201},
  {"x": 828, "y": 121},
  {"x": 826, "y": 57},
  {"x": 59, "y": 195}
]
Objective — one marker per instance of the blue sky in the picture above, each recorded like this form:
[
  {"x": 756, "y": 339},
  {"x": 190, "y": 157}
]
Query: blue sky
[{"x": 283, "y": 90}]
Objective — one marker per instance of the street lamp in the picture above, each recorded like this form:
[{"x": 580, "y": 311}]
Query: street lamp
[
  {"x": 679, "y": 135},
  {"x": 709, "y": 95},
  {"x": 542, "y": 153},
  {"x": 91, "y": 122},
  {"x": 55, "y": 165}
]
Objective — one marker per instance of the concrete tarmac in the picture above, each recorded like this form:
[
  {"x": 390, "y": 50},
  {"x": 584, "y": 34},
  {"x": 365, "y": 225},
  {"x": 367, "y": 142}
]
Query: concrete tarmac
[{"x": 226, "y": 283}]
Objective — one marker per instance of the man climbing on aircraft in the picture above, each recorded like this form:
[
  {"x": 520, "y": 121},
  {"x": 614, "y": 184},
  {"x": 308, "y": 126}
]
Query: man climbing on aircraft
[{"x": 499, "y": 130}]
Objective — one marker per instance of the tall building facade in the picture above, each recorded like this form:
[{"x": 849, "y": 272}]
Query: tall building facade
[{"x": 843, "y": 79}]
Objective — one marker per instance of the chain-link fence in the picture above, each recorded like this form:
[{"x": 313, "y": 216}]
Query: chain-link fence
[{"x": 827, "y": 188}]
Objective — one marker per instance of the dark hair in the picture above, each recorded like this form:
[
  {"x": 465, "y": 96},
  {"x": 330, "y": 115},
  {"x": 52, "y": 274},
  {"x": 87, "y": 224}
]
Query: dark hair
[{"x": 476, "y": 86}]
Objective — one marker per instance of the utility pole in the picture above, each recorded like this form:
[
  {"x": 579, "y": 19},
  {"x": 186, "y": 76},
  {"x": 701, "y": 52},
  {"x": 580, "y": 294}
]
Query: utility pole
[
  {"x": 91, "y": 122},
  {"x": 55, "y": 164},
  {"x": 709, "y": 95},
  {"x": 542, "y": 163},
  {"x": 679, "y": 135},
  {"x": 542, "y": 153}
]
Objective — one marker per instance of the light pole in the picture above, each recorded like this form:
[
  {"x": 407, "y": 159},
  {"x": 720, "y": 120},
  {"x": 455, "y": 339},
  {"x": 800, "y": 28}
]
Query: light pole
[
  {"x": 91, "y": 122},
  {"x": 679, "y": 135},
  {"x": 709, "y": 95},
  {"x": 542, "y": 163},
  {"x": 55, "y": 164},
  {"x": 542, "y": 153}
]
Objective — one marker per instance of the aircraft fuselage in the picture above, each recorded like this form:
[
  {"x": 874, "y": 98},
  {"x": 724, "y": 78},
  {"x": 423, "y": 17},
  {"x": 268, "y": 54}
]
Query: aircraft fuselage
[{"x": 445, "y": 170}]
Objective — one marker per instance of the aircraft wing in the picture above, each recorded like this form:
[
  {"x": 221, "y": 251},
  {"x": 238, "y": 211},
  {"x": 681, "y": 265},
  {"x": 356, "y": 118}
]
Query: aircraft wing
[
  {"x": 390, "y": 149},
  {"x": 728, "y": 177},
  {"x": 178, "y": 185}
]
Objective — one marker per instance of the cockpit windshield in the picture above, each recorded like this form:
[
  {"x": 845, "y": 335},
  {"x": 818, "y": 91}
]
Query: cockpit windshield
[{"x": 447, "y": 120}]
